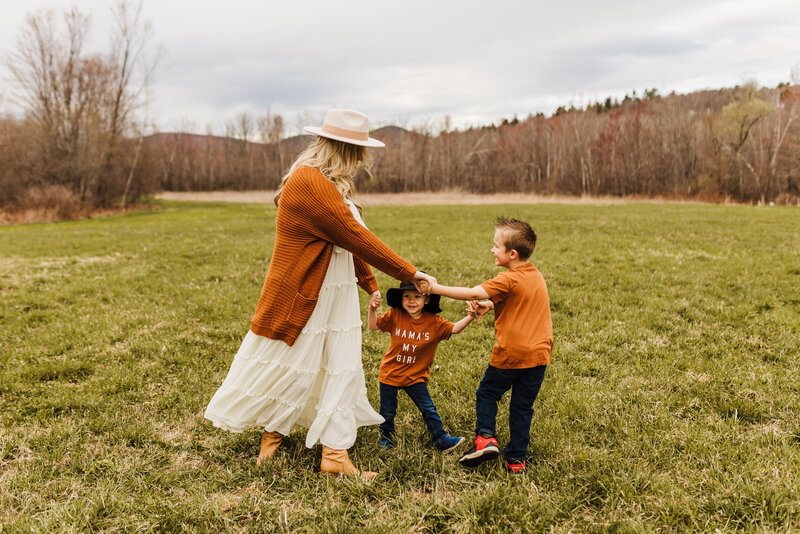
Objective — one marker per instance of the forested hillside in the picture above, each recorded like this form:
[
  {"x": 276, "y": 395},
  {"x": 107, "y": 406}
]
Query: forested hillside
[{"x": 739, "y": 144}]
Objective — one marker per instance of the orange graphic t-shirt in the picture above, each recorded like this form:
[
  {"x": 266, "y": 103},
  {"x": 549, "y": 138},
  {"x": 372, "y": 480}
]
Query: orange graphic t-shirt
[{"x": 413, "y": 346}]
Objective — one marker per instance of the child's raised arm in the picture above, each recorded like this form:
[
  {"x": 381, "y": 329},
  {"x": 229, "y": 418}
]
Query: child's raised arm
[
  {"x": 463, "y": 323},
  {"x": 372, "y": 317}
]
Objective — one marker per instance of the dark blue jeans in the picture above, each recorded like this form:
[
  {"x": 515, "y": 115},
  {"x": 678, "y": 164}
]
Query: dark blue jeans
[
  {"x": 419, "y": 395},
  {"x": 524, "y": 385}
]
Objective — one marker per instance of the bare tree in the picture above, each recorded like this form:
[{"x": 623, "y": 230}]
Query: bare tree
[
  {"x": 271, "y": 129},
  {"x": 82, "y": 105},
  {"x": 130, "y": 44}
]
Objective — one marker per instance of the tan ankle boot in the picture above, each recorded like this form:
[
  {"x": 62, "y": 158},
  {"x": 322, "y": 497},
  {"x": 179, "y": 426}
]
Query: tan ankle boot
[
  {"x": 269, "y": 444},
  {"x": 337, "y": 462}
]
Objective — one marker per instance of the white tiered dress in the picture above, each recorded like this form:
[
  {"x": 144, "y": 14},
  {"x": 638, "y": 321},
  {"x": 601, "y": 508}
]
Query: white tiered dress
[{"x": 317, "y": 383}]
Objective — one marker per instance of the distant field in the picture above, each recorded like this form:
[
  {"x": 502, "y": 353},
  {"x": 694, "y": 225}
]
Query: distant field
[
  {"x": 671, "y": 403},
  {"x": 438, "y": 198}
]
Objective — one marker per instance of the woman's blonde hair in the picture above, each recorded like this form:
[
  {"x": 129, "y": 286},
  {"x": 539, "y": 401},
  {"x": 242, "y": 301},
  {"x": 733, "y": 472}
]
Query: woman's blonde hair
[{"x": 336, "y": 160}]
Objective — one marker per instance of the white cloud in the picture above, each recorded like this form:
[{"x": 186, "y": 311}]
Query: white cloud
[{"x": 418, "y": 61}]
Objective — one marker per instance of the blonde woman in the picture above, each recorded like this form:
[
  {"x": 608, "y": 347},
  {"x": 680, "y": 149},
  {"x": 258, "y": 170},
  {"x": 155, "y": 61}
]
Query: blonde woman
[{"x": 300, "y": 363}]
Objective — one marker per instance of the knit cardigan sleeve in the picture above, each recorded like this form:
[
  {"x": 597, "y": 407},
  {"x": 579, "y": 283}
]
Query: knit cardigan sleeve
[
  {"x": 320, "y": 204},
  {"x": 366, "y": 280}
]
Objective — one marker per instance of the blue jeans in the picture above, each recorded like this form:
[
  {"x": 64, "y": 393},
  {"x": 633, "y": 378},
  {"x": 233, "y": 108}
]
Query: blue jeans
[
  {"x": 419, "y": 395},
  {"x": 524, "y": 385}
]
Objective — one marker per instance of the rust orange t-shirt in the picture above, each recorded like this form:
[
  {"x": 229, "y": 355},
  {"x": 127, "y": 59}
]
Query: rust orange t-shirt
[
  {"x": 413, "y": 346},
  {"x": 522, "y": 323}
]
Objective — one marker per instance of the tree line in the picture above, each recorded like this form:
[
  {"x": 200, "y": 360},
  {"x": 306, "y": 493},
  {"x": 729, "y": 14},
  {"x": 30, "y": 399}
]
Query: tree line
[
  {"x": 80, "y": 143},
  {"x": 740, "y": 144}
]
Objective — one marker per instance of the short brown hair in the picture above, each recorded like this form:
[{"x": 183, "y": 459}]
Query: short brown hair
[{"x": 518, "y": 235}]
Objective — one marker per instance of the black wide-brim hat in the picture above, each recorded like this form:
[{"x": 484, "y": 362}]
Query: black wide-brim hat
[{"x": 394, "y": 297}]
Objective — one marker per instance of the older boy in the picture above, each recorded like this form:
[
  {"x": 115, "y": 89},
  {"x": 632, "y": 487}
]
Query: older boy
[{"x": 524, "y": 332}]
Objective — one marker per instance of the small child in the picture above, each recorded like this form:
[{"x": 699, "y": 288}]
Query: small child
[
  {"x": 416, "y": 331},
  {"x": 524, "y": 332}
]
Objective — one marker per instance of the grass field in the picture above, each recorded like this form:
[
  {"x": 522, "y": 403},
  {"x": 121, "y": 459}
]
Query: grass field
[{"x": 671, "y": 403}]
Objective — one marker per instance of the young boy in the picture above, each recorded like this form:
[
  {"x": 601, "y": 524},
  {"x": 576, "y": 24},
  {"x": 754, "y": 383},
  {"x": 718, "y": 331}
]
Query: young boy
[
  {"x": 524, "y": 332},
  {"x": 416, "y": 331}
]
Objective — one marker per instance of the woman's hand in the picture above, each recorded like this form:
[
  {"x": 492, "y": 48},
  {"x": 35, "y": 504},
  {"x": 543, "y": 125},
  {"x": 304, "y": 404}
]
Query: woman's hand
[
  {"x": 424, "y": 282},
  {"x": 375, "y": 301}
]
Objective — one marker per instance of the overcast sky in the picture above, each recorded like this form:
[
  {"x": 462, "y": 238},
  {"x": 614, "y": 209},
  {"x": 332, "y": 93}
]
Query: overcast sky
[{"x": 414, "y": 62}]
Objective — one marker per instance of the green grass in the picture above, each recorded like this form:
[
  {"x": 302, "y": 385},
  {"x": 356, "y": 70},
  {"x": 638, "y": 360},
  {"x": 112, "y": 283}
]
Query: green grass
[{"x": 671, "y": 403}]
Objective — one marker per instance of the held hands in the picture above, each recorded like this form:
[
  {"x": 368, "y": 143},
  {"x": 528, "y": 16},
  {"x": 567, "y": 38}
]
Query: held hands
[
  {"x": 424, "y": 282},
  {"x": 372, "y": 317},
  {"x": 479, "y": 308},
  {"x": 423, "y": 286},
  {"x": 375, "y": 301}
]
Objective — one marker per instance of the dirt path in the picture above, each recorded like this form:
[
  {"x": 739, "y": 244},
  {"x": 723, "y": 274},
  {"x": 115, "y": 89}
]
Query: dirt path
[{"x": 401, "y": 199}]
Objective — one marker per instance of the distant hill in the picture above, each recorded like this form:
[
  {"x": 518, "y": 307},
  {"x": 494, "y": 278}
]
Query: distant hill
[
  {"x": 194, "y": 140},
  {"x": 289, "y": 145},
  {"x": 296, "y": 144}
]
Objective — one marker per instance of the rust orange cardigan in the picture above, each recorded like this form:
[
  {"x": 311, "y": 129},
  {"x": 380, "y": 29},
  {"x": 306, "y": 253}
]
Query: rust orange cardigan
[{"x": 312, "y": 218}]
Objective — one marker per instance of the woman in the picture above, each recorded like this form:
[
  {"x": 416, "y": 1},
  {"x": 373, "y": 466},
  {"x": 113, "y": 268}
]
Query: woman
[{"x": 300, "y": 363}]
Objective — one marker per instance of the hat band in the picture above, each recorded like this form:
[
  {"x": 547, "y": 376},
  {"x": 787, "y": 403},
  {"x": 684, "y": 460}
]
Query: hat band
[{"x": 342, "y": 132}]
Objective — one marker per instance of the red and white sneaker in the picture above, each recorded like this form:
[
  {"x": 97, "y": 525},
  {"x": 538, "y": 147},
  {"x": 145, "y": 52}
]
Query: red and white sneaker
[
  {"x": 483, "y": 449},
  {"x": 515, "y": 466}
]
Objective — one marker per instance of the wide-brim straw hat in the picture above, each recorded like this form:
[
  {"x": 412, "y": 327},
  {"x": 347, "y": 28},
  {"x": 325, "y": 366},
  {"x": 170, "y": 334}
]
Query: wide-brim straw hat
[{"x": 346, "y": 125}]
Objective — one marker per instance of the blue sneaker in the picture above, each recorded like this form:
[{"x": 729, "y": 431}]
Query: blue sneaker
[
  {"x": 449, "y": 443},
  {"x": 386, "y": 443}
]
